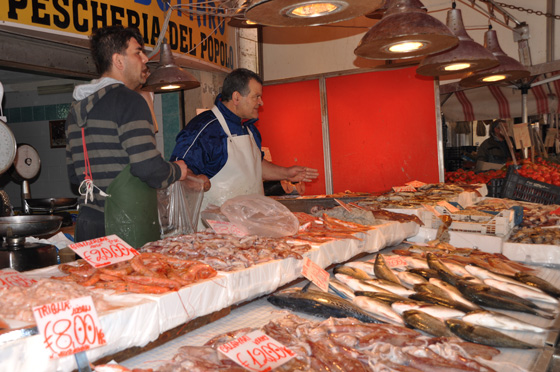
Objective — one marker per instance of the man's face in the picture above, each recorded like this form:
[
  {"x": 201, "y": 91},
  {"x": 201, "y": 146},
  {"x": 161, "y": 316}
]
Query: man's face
[
  {"x": 135, "y": 69},
  {"x": 248, "y": 107}
]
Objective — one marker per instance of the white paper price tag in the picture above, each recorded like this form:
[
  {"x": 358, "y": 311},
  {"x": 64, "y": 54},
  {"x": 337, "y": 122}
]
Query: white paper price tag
[
  {"x": 256, "y": 351},
  {"x": 104, "y": 251},
  {"x": 11, "y": 278},
  {"x": 395, "y": 261},
  {"x": 69, "y": 327},
  {"x": 316, "y": 274},
  {"x": 222, "y": 227}
]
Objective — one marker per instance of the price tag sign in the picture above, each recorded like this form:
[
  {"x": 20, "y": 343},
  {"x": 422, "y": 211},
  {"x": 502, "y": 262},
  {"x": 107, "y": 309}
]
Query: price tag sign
[
  {"x": 431, "y": 209},
  {"x": 222, "y": 227},
  {"x": 11, "y": 278},
  {"x": 450, "y": 207},
  {"x": 104, "y": 251},
  {"x": 521, "y": 136},
  {"x": 415, "y": 184},
  {"x": 69, "y": 327},
  {"x": 403, "y": 188},
  {"x": 257, "y": 352},
  {"x": 395, "y": 261},
  {"x": 316, "y": 274}
]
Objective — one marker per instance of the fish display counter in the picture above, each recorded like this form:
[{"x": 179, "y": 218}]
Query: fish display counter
[{"x": 136, "y": 321}]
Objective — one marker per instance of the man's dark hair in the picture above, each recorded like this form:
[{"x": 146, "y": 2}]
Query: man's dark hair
[
  {"x": 110, "y": 40},
  {"x": 238, "y": 81}
]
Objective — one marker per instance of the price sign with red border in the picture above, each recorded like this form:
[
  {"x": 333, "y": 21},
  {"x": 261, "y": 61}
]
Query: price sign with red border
[
  {"x": 316, "y": 274},
  {"x": 11, "y": 278},
  {"x": 395, "y": 261},
  {"x": 69, "y": 327},
  {"x": 104, "y": 251},
  {"x": 256, "y": 351}
]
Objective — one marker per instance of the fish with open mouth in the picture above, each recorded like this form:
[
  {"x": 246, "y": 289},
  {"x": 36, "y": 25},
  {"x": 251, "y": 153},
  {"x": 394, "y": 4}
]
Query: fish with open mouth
[
  {"x": 427, "y": 323},
  {"x": 484, "y": 335},
  {"x": 382, "y": 271},
  {"x": 537, "y": 282},
  {"x": 319, "y": 303},
  {"x": 501, "y": 321}
]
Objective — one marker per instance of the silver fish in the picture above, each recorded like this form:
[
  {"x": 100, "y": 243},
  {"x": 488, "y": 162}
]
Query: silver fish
[
  {"x": 484, "y": 335},
  {"x": 386, "y": 297},
  {"x": 540, "y": 283},
  {"x": 501, "y": 321},
  {"x": 378, "y": 309},
  {"x": 415, "y": 263},
  {"x": 482, "y": 274},
  {"x": 443, "y": 271},
  {"x": 352, "y": 271},
  {"x": 365, "y": 266},
  {"x": 453, "y": 292},
  {"x": 427, "y": 323},
  {"x": 358, "y": 285},
  {"x": 521, "y": 291},
  {"x": 462, "y": 272},
  {"x": 409, "y": 279},
  {"x": 391, "y": 287},
  {"x": 440, "y": 312},
  {"x": 341, "y": 289},
  {"x": 382, "y": 271}
]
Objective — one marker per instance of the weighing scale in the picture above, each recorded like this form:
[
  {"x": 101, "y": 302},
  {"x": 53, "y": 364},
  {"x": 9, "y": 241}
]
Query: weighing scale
[{"x": 15, "y": 252}]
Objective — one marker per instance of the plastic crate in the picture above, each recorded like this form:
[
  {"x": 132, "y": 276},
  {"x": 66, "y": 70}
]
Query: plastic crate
[
  {"x": 521, "y": 188},
  {"x": 500, "y": 224},
  {"x": 495, "y": 187}
]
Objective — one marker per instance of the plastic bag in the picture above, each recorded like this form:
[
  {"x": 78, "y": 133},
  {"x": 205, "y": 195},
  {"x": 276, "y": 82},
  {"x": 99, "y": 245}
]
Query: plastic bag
[
  {"x": 179, "y": 206},
  {"x": 259, "y": 215}
]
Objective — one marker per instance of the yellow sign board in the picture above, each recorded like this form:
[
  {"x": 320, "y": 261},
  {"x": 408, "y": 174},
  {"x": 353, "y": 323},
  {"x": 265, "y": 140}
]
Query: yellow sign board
[{"x": 204, "y": 37}]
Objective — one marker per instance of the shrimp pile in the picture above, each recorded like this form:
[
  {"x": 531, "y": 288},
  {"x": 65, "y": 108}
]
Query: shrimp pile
[
  {"x": 226, "y": 252},
  {"x": 326, "y": 228},
  {"x": 145, "y": 273},
  {"x": 18, "y": 302}
]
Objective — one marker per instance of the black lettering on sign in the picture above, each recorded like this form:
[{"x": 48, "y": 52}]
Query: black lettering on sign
[
  {"x": 203, "y": 44},
  {"x": 183, "y": 33},
  {"x": 62, "y": 20},
  {"x": 96, "y": 17},
  {"x": 145, "y": 30},
  {"x": 37, "y": 16},
  {"x": 13, "y": 6},
  {"x": 117, "y": 10},
  {"x": 156, "y": 30},
  {"x": 173, "y": 35},
  {"x": 133, "y": 19},
  {"x": 84, "y": 25}
]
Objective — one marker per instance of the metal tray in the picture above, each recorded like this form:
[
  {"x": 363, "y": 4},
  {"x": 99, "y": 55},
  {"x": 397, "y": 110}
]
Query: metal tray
[{"x": 21, "y": 226}]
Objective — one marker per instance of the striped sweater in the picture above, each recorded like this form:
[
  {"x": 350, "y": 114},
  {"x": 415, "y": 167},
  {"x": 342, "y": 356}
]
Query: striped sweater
[{"x": 118, "y": 131}]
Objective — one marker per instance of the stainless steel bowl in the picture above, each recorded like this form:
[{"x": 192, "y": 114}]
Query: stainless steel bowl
[{"x": 20, "y": 226}]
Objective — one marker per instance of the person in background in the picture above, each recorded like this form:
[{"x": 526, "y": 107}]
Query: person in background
[
  {"x": 120, "y": 169},
  {"x": 494, "y": 149},
  {"x": 224, "y": 144}
]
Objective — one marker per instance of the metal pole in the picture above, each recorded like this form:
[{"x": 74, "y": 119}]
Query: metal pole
[
  {"x": 326, "y": 136},
  {"x": 524, "y": 116}
]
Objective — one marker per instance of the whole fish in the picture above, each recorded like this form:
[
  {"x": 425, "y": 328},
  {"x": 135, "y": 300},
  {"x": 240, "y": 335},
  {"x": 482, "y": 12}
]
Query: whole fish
[
  {"x": 430, "y": 288},
  {"x": 365, "y": 266},
  {"x": 438, "y": 300},
  {"x": 378, "y": 309},
  {"x": 386, "y": 297},
  {"x": 501, "y": 321},
  {"x": 484, "y": 335},
  {"x": 534, "y": 294},
  {"x": 437, "y": 311},
  {"x": 341, "y": 289},
  {"x": 415, "y": 263},
  {"x": 358, "y": 284},
  {"x": 382, "y": 271},
  {"x": 540, "y": 283},
  {"x": 427, "y": 323},
  {"x": 444, "y": 272},
  {"x": 409, "y": 279},
  {"x": 425, "y": 273},
  {"x": 459, "y": 270},
  {"x": 453, "y": 292},
  {"x": 352, "y": 271},
  {"x": 319, "y": 303},
  {"x": 482, "y": 274},
  {"x": 391, "y": 287}
]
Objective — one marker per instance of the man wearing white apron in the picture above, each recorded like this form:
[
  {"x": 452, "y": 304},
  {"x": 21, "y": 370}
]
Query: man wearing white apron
[{"x": 224, "y": 144}]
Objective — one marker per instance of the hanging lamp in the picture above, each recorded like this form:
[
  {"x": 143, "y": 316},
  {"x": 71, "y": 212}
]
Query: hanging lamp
[
  {"x": 168, "y": 77},
  {"x": 239, "y": 20},
  {"x": 508, "y": 70},
  {"x": 378, "y": 13},
  {"x": 467, "y": 56},
  {"x": 405, "y": 31},
  {"x": 295, "y": 13}
]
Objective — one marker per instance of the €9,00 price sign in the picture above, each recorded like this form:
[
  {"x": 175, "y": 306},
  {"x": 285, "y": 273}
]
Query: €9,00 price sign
[
  {"x": 104, "y": 251},
  {"x": 69, "y": 327},
  {"x": 256, "y": 351}
]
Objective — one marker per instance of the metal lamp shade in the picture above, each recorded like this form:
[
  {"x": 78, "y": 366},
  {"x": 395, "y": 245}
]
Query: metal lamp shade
[
  {"x": 509, "y": 67},
  {"x": 378, "y": 13},
  {"x": 168, "y": 74},
  {"x": 467, "y": 52},
  {"x": 279, "y": 12},
  {"x": 239, "y": 20},
  {"x": 405, "y": 21}
]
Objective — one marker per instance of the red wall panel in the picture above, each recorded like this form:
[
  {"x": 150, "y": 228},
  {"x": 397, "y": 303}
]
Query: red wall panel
[
  {"x": 382, "y": 130},
  {"x": 290, "y": 125}
]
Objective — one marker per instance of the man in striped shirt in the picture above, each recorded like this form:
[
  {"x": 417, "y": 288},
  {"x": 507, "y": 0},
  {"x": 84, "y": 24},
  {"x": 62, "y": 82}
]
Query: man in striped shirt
[{"x": 113, "y": 123}]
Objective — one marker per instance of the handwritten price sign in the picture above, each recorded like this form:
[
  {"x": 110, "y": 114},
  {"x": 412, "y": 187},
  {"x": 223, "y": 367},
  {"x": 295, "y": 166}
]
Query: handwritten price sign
[
  {"x": 104, "y": 251},
  {"x": 256, "y": 351},
  {"x": 316, "y": 274},
  {"x": 11, "y": 278},
  {"x": 69, "y": 327}
]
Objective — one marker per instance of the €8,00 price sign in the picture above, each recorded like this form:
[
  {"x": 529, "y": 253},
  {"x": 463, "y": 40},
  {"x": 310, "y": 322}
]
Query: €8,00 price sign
[
  {"x": 104, "y": 251},
  {"x": 256, "y": 351},
  {"x": 69, "y": 327}
]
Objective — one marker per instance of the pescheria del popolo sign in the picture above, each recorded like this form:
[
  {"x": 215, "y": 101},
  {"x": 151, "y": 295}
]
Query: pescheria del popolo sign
[{"x": 203, "y": 37}]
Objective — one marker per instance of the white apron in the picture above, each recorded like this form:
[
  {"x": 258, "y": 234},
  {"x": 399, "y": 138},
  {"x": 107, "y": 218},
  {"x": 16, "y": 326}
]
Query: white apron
[{"x": 242, "y": 173}]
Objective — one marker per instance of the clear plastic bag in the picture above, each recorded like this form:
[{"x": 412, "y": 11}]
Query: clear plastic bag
[
  {"x": 259, "y": 215},
  {"x": 179, "y": 206}
]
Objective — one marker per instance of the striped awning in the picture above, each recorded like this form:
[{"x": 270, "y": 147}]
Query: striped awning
[{"x": 495, "y": 102}]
